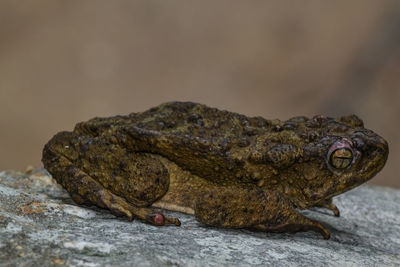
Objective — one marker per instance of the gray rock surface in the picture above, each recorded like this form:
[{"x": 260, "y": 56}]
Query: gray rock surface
[{"x": 41, "y": 225}]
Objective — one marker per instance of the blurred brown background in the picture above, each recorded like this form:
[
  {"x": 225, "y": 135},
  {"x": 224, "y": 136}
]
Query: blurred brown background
[{"x": 62, "y": 62}]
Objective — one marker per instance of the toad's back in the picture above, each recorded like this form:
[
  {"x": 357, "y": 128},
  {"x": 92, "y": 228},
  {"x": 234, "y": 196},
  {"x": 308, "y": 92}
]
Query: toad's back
[
  {"x": 196, "y": 137},
  {"x": 183, "y": 119}
]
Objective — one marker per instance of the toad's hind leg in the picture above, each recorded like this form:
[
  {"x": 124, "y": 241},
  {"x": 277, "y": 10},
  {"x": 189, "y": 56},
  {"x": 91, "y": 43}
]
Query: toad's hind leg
[
  {"x": 253, "y": 208},
  {"x": 100, "y": 173}
]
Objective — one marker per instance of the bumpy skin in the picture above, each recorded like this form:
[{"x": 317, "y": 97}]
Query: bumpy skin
[{"x": 227, "y": 169}]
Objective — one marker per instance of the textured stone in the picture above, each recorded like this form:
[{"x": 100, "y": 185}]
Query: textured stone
[{"x": 41, "y": 225}]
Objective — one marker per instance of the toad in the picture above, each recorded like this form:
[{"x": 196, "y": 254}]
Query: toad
[{"x": 226, "y": 169}]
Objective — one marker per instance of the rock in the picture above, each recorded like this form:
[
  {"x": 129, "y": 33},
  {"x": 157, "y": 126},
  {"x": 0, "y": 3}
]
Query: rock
[{"x": 41, "y": 225}]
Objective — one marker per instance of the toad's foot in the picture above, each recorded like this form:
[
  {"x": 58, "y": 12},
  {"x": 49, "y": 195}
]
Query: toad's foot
[
  {"x": 120, "y": 207},
  {"x": 327, "y": 204}
]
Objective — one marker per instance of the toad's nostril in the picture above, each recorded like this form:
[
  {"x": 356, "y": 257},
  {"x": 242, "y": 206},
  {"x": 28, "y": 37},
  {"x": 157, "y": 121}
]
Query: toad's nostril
[
  {"x": 358, "y": 143},
  {"x": 382, "y": 146}
]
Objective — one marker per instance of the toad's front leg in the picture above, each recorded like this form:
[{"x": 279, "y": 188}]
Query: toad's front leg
[
  {"x": 95, "y": 171},
  {"x": 253, "y": 208},
  {"x": 327, "y": 204}
]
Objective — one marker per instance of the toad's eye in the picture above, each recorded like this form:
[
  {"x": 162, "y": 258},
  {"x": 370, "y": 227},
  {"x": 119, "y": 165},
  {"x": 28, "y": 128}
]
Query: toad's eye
[
  {"x": 341, "y": 154},
  {"x": 341, "y": 158}
]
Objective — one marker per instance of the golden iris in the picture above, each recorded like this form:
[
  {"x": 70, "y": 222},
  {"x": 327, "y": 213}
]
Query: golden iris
[{"x": 341, "y": 158}]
